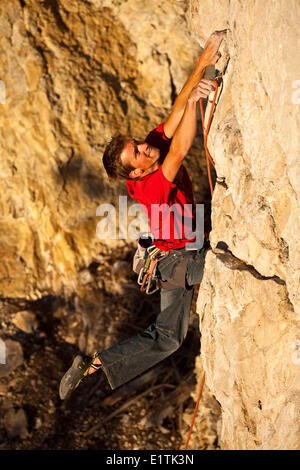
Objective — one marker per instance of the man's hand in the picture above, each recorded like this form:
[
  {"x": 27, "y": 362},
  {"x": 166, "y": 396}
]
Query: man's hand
[
  {"x": 202, "y": 90},
  {"x": 210, "y": 54}
]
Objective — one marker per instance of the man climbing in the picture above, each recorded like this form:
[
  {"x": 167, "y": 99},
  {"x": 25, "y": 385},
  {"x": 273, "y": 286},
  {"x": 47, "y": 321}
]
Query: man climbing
[{"x": 156, "y": 176}]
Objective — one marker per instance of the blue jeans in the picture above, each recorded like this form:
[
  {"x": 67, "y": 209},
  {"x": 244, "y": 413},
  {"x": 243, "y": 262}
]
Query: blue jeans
[{"x": 127, "y": 359}]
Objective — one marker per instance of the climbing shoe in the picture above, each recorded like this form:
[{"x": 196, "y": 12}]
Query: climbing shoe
[{"x": 74, "y": 376}]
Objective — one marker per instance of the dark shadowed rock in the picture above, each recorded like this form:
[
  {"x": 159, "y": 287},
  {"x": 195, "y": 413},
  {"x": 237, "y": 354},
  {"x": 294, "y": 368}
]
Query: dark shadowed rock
[{"x": 15, "y": 423}]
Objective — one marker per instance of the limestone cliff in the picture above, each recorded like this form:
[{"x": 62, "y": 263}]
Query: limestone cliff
[
  {"x": 249, "y": 309},
  {"x": 74, "y": 73}
]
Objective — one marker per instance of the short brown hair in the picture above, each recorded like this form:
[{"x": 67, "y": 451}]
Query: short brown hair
[{"x": 112, "y": 158}]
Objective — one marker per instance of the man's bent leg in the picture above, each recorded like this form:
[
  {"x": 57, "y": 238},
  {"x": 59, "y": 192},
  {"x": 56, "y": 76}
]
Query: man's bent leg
[{"x": 124, "y": 361}]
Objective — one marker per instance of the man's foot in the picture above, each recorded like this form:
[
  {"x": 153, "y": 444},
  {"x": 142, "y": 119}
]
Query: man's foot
[{"x": 81, "y": 367}]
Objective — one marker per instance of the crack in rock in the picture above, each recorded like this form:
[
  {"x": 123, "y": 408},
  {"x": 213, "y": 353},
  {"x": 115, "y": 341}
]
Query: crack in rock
[{"x": 223, "y": 253}]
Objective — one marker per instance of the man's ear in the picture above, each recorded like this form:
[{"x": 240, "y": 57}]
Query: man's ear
[{"x": 136, "y": 173}]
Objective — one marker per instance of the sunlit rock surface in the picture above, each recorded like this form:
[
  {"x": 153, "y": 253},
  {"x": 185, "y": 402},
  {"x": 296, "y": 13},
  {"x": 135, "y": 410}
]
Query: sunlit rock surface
[
  {"x": 73, "y": 74},
  {"x": 250, "y": 311}
]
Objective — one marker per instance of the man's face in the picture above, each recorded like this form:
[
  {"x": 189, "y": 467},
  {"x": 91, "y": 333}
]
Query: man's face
[{"x": 141, "y": 156}]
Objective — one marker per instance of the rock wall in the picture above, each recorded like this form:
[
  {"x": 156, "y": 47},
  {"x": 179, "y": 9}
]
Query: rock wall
[
  {"x": 72, "y": 74},
  {"x": 250, "y": 309}
]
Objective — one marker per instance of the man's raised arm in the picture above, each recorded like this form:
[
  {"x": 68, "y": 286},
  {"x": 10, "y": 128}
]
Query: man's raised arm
[
  {"x": 209, "y": 56},
  {"x": 184, "y": 135}
]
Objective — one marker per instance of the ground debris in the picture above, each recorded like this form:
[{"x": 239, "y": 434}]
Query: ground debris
[
  {"x": 25, "y": 321},
  {"x": 13, "y": 356},
  {"x": 15, "y": 423},
  {"x": 92, "y": 319}
]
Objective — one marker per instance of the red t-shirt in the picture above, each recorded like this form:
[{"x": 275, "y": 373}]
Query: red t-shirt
[{"x": 169, "y": 205}]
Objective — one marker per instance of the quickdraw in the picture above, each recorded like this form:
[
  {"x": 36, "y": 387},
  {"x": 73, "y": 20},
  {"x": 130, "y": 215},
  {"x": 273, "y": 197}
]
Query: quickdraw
[{"x": 147, "y": 276}]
